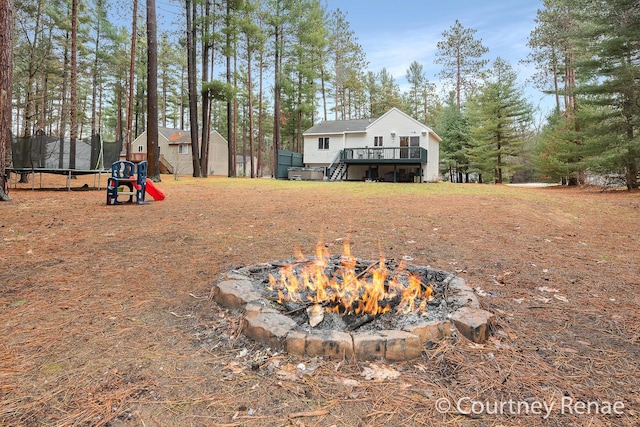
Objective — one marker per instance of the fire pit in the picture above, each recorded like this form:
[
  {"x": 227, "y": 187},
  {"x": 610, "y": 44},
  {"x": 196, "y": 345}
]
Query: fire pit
[{"x": 343, "y": 306}]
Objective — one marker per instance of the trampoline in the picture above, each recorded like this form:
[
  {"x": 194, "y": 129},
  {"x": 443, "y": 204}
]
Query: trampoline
[{"x": 40, "y": 154}]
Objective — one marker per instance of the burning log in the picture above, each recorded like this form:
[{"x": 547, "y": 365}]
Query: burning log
[{"x": 342, "y": 288}]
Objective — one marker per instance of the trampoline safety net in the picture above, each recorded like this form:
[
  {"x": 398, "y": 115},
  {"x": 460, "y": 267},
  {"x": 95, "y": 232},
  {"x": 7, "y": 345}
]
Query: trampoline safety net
[{"x": 45, "y": 152}]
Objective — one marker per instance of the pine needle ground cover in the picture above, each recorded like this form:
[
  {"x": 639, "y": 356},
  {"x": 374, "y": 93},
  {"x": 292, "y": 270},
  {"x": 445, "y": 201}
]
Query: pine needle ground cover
[{"x": 106, "y": 317}]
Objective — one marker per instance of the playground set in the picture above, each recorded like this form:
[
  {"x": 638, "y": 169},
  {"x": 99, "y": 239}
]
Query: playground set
[{"x": 130, "y": 179}]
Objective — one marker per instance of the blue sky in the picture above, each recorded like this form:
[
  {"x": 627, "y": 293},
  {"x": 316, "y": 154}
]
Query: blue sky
[{"x": 395, "y": 33}]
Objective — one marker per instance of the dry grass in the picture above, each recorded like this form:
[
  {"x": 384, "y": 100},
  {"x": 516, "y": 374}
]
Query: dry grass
[{"x": 106, "y": 320}]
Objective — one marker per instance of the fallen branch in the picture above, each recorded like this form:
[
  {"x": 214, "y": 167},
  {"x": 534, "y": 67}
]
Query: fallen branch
[
  {"x": 309, "y": 414},
  {"x": 366, "y": 270}
]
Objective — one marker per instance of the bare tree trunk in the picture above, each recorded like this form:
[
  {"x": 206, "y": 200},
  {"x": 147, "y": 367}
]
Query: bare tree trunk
[
  {"x": 260, "y": 148},
  {"x": 94, "y": 83},
  {"x": 336, "y": 89},
  {"x": 99, "y": 119},
  {"x": 153, "y": 170},
  {"x": 181, "y": 97},
  {"x": 244, "y": 143},
  {"x": 17, "y": 95},
  {"x": 324, "y": 94},
  {"x": 556, "y": 87},
  {"x": 250, "y": 91},
  {"x": 81, "y": 123},
  {"x": 230, "y": 142},
  {"x": 73, "y": 132},
  {"x": 42, "y": 122},
  {"x": 164, "y": 100},
  {"x": 459, "y": 82},
  {"x": 276, "y": 103},
  {"x": 499, "y": 166},
  {"x": 191, "y": 83},
  {"x": 205, "y": 153},
  {"x": 235, "y": 111},
  {"x": 132, "y": 77},
  {"x": 206, "y": 128},
  {"x": 299, "y": 116},
  {"x": 6, "y": 82},
  {"x": 119, "y": 90},
  {"x": 31, "y": 71}
]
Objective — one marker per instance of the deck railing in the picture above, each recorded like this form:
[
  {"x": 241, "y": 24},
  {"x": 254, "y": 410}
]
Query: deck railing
[{"x": 384, "y": 155}]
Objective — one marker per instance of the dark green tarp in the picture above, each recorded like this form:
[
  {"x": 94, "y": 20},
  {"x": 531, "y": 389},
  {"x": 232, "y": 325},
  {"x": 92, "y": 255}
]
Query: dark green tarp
[{"x": 44, "y": 152}]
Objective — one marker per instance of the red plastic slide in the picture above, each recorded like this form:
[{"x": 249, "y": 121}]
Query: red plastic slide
[{"x": 154, "y": 191}]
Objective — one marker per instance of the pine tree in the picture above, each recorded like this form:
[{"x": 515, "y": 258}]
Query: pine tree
[
  {"x": 461, "y": 56},
  {"x": 416, "y": 79},
  {"x": 453, "y": 128},
  {"x": 500, "y": 116},
  {"x": 612, "y": 121},
  {"x": 348, "y": 61},
  {"x": 556, "y": 151},
  {"x": 554, "y": 43}
]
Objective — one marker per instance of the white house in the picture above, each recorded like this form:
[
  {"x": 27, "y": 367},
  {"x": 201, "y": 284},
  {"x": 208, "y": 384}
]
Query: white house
[
  {"x": 394, "y": 147},
  {"x": 175, "y": 151}
]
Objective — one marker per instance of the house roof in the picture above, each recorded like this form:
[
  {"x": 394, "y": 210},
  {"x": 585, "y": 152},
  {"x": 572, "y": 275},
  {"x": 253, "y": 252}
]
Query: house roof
[
  {"x": 175, "y": 136},
  {"x": 360, "y": 125},
  {"x": 340, "y": 126}
]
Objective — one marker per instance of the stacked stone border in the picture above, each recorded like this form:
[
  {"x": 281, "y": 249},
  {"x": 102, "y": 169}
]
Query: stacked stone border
[{"x": 265, "y": 324}]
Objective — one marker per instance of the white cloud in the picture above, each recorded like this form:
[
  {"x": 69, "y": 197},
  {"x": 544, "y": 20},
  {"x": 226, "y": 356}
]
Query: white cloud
[{"x": 396, "y": 52}]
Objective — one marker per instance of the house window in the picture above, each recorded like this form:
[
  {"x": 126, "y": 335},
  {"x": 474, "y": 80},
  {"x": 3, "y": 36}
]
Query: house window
[
  {"x": 377, "y": 141},
  {"x": 139, "y": 148},
  {"x": 183, "y": 149},
  {"x": 323, "y": 143},
  {"x": 415, "y": 143}
]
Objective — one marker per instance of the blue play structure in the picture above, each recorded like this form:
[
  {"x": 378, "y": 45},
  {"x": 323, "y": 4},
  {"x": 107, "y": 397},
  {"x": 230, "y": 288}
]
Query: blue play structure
[{"x": 127, "y": 179}]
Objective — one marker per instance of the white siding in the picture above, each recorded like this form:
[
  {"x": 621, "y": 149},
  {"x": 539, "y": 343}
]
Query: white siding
[
  {"x": 311, "y": 153},
  {"x": 218, "y": 155},
  {"x": 183, "y": 163},
  {"x": 355, "y": 140},
  {"x": 432, "y": 173},
  {"x": 395, "y": 123}
]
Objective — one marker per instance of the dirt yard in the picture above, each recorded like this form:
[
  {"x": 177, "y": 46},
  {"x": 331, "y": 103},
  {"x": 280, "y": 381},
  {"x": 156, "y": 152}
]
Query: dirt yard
[{"x": 105, "y": 317}]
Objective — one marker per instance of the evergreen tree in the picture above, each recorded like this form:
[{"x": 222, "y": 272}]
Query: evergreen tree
[
  {"x": 171, "y": 60},
  {"x": 348, "y": 61},
  {"x": 390, "y": 92},
  {"x": 416, "y": 79},
  {"x": 554, "y": 43},
  {"x": 419, "y": 100},
  {"x": 556, "y": 151},
  {"x": 453, "y": 127},
  {"x": 612, "y": 121},
  {"x": 500, "y": 116},
  {"x": 254, "y": 39},
  {"x": 306, "y": 52},
  {"x": 461, "y": 56}
]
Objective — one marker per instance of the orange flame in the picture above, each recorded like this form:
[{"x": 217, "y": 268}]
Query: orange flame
[{"x": 347, "y": 292}]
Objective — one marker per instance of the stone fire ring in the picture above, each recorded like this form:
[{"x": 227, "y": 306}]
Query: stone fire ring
[{"x": 265, "y": 324}]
